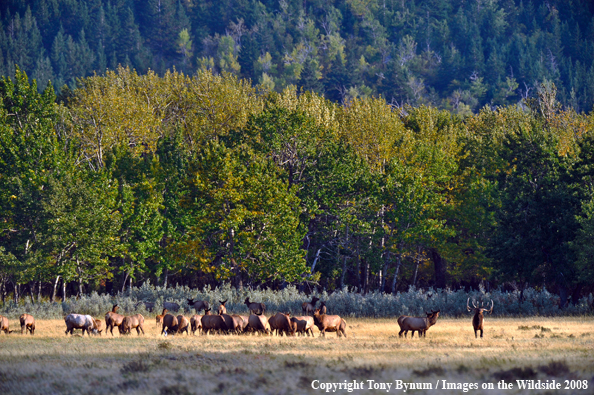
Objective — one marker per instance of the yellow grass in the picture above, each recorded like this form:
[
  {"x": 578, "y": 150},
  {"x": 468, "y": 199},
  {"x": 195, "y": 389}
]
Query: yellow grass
[{"x": 51, "y": 362}]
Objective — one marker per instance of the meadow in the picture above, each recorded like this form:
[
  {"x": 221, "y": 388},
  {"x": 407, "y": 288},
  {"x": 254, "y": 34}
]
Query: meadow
[{"x": 538, "y": 348}]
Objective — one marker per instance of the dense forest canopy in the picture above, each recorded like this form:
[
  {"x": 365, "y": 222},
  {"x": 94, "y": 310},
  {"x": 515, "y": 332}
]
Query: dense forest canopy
[
  {"x": 452, "y": 54},
  {"x": 373, "y": 144}
]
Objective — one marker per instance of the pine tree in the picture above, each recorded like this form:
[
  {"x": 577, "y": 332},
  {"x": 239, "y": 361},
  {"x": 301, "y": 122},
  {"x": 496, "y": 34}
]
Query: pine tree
[{"x": 310, "y": 77}]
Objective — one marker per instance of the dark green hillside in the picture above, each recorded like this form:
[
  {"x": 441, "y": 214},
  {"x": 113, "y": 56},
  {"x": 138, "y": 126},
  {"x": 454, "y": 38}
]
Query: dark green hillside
[{"x": 453, "y": 54}]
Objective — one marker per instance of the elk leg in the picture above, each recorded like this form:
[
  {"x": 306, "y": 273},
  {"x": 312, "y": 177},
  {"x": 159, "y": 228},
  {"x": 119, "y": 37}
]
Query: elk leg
[
  {"x": 481, "y": 333},
  {"x": 475, "y": 334}
]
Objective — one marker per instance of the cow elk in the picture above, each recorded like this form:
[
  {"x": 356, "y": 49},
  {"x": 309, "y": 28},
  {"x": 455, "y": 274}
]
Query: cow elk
[
  {"x": 419, "y": 324},
  {"x": 212, "y": 323},
  {"x": 27, "y": 324},
  {"x": 79, "y": 321},
  {"x": 133, "y": 322},
  {"x": 198, "y": 304},
  {"x": 4, "y": 325},
  {"x": 113, "y": 319},
  {"x": 256, "y": 308},
  {"x": 183, "y": 325},
  {"x": 258, "y": 323},
  {"x": 196, "y": 323},
  {"x": 329, "y": 323},
  {"x": 281, "y": 323},
  {"x": 304, "y": 325},
  {"x": 478, "y": 319},
  {"x": 308, "y": 307},
  {"x": 170, "y": 323}
]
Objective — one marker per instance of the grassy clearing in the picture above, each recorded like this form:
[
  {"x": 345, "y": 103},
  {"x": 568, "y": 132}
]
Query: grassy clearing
[{"x": 535, "y": 348}]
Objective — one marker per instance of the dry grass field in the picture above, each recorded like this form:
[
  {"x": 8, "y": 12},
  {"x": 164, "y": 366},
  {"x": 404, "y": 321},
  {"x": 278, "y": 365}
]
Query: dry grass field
[{"x": 537, "y": 348}]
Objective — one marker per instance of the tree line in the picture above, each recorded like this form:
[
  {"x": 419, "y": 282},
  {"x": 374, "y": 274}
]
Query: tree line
[
  {"x": 450, "y": 54},
  {"x": 207, "y": 179}
]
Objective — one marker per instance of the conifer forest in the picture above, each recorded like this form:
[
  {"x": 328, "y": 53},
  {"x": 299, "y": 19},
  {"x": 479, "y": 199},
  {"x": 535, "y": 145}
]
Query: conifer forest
[{"x": 377, "y": 145}]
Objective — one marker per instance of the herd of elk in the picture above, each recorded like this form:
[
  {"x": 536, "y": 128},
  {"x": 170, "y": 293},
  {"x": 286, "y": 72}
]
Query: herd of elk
[
  {"x": 478, "y": 319},
  {"x": 256, "y": 322}
]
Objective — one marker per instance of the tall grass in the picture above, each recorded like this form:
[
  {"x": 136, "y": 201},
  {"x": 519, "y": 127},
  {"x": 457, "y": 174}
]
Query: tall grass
[{"x": 344, "y": 302}]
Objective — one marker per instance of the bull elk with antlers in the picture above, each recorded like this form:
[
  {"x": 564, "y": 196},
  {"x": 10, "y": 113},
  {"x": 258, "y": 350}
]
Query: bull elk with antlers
[{"x": 478, "y": 319}]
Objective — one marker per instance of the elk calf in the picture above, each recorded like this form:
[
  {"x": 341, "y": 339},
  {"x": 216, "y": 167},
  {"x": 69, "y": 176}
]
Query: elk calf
[{"x": 478, "y": 319}]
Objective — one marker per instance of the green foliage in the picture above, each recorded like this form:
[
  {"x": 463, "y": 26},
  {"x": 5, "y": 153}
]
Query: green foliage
[{"x": 454, "y": 55}]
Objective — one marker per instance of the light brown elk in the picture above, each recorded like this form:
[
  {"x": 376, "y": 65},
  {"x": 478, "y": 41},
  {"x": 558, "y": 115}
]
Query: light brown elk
[
  {"x": 196, "y": 323},
  {"x": 113, "y": 319},
  {"x": 4, "y": 325},
  {"x": 253, "y": 307},
  {"x": 27, "y": 324},
  {"x": 478, "y": 319},
  {"x": 183, "y": 324},
  {"x": 135, "y": 321},
  {"x": 304, "y": 324},
  {"x": 222, "y": 308},
  {"x": 419, "y": 324},
  {"x": 308, "y": 307},
  {"x": 329, "y": 323},
  {"x": 244, "y": 319}
]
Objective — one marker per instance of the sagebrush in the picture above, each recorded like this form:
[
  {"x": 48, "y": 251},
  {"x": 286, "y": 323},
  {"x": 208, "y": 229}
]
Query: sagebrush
[{"x": 344, "y": 302}]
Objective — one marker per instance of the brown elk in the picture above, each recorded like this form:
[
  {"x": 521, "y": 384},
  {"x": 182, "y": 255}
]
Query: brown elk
[
  {"x": 222, "y": 308},
  {"x": 308, "y": 307},
  {"x": 113, "y": 319},
  {"x": 258, "y": 323},
  {"x": 183, "y": 324},
  {"x": 419, "y": 324},
  {"x": 4, "y": 325},
  {"x": 329, "y": 323},
  {"x": 304, "y": 324},
  {"x": 253, "y": 307},
  {"x": 196, "y": 323},
  {"x": 281, "y": 323},
  {"x": 233, "y": 323},
  {"x": 169, "y": 324},
  {"x": 27, "y": 324},
  {"x": 478, "y": 319},
  {"x": 212, "y": 323},
  {"x": 243, "y": 321},
  {"x": 132, "y": 322},
  {"x": 198, "y": 304}
]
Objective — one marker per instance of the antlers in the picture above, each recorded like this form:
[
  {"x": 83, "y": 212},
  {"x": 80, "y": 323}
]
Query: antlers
[{"x": 479, "y": 308}]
